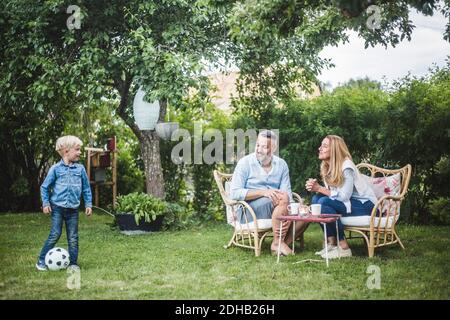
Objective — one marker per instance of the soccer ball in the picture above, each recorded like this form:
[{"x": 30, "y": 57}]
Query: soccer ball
[{"x": 57, "y": 259}]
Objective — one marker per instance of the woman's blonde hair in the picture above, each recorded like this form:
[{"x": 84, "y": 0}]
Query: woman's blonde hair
[
  {"x": 331, "y": 170},
  {"x": 67, "y": 142}
]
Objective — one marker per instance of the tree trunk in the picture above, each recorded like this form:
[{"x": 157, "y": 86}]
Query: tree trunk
[
  {"x": 154, "y": 179},
  {"x": 149, "y": 143}
]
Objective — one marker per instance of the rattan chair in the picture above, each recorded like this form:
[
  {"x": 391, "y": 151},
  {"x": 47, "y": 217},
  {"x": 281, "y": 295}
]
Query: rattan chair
[
  {"x": 249, "y": 234},
  {"x": 379, "y": 229}
]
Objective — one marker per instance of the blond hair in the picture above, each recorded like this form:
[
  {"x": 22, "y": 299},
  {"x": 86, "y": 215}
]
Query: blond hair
[
  {"x": 67, "y": 142},
  {"x": 331, "y": 170}
]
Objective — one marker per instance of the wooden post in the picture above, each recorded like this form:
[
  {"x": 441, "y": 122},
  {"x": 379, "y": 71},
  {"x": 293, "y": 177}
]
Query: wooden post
[
  {"x": 96, "y": 152},
  {"x": 97, "y": 200},
  {"x": 114, "y": 176},
  {"x": 92, "y": 152},
  {"x": 88, "y": 166}
]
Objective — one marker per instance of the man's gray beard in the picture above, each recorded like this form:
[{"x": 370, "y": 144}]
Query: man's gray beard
[{"x": 265, "y": 160}]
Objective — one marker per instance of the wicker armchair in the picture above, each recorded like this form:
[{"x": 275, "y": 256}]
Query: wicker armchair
[
  {"x": 249, "y": 234},
  {"x": 378, "y": 230}
]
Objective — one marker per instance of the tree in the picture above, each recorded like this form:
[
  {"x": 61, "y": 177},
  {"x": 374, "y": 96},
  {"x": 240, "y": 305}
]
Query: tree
[
  {"x": 35, "y": 98},
  {"x": 164, "y": 45},
  {"x": 120, "y": 46},
  {"x": 280, "y": 39},
  {"x": 416, "y": 131}
]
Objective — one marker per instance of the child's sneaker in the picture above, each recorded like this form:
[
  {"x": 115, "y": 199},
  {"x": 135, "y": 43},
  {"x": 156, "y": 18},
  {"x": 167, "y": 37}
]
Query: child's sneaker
[
  {"x": 41, "y": 266},
  {"x": 338, "y": 253},
  {"x": 73, "y": 267}
]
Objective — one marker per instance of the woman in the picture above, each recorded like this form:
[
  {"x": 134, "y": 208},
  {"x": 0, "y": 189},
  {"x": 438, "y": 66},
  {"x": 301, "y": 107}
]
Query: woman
[{"x": 345, "y": 192}]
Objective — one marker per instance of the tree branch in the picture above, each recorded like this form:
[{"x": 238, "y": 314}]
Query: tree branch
[
  {"x": 162, "y": 109},
  {"x": 124, "y": 90}
]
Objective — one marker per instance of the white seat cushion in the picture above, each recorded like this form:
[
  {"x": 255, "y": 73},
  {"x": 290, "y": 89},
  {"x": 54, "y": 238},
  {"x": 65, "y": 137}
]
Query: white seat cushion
[
  {"x": 262, "y": 224},
  {"x": 229, "y": 210},
  {"x": 364, "y": 221}
]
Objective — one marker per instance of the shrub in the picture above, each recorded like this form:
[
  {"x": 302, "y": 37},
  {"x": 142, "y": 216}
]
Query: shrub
[
  {"x": 177, "y": 217},
  {"x": 440, "y": 209},
  {"x": 141, "y": 205}
]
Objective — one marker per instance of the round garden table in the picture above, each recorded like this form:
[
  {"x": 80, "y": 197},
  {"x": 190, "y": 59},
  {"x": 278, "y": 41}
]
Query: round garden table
[{"x": 322, "y": 218}]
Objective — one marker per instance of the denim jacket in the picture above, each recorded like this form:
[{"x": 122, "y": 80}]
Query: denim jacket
[{"x": 64, "y": 184}]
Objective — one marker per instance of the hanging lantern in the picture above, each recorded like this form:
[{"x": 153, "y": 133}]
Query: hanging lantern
[
  {"x": 145, "y": 114},
  {"x": 166, "y": 129}
]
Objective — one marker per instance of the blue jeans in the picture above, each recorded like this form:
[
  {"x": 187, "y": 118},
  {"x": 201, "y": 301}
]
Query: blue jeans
[
  {"x": 330, "y": 206},
  {"x": 70, "y": 216}
]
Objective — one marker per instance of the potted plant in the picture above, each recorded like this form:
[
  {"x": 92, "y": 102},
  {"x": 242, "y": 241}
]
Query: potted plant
[{"x": 139, "y": 211}]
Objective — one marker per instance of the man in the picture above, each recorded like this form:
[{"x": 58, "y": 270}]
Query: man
[{"x": 262, "y": 179}]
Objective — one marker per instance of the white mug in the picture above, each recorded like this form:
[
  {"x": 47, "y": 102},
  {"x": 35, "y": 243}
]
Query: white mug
[
  {"x": 293, "y": 208},
  {"x": 315, "y": 209}
]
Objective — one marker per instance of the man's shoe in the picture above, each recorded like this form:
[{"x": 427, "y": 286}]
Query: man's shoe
[
  {"x": 41, "y": 266},
  {"x": 338, "y": 253},
  {"x": 321, "y": 252}
]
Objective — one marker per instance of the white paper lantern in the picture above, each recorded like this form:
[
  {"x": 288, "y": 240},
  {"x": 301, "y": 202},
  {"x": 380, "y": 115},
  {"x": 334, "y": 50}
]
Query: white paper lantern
[{"x": 145, "y": 114}]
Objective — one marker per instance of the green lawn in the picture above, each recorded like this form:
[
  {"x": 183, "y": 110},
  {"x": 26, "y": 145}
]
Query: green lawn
[{"x": 194, "y": 265}]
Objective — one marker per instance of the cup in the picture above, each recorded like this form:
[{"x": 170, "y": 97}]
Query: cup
[
  {"x": 315, "y": 209},
  {"x": 293, "y": 208}
]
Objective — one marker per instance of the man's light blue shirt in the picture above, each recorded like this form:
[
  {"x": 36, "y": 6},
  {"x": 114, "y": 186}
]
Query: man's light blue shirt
[
  {"x": 64, "y": 184},
  {"x": 250, "y": 175}
]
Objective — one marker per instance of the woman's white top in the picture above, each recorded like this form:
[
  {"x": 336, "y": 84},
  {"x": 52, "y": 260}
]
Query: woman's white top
[{"x": 354, "y": 186}]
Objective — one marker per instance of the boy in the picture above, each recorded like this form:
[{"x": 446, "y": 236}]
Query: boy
[{"x": 61, "y": 193}]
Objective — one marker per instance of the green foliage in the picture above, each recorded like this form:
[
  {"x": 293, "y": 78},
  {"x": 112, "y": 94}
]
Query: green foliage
[
  {"x": 47, "y": 70},
  {"x": 354, "y": 113},
  {"x": 416, "y": 131},
  {"x": 130, "y": 176},
  {"x": 442, "y": 176},
  {"x": 121, "y": 45},
  {"x": 279, "y": 40},
  {"x": 408, "y": 124},
  {"x": 37, "y": 94},
  {"x": 20, "y": 187},
  {"x": 174, "y": 174},
  {"x": 318, "y": 23},
  {"x": 440, "y": 210},
  {"x": 177, "y": 217},
  {"x": 28, "y": 150},
  {"x": 95, "y": 125},
  {"x": 142, "y": 205},
  {"x": 206, "y": 202}
]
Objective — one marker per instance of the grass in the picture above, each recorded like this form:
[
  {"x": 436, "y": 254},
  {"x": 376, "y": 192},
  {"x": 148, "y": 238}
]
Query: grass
[{"x": 193, "y": 264}]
